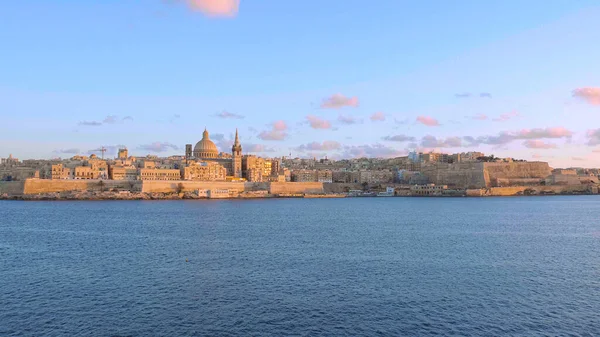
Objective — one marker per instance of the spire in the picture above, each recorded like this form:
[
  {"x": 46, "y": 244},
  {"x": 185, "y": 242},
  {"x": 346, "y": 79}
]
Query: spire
[
  {"x": 205, "y": 134},
  {"x": 237, "y": 139}
]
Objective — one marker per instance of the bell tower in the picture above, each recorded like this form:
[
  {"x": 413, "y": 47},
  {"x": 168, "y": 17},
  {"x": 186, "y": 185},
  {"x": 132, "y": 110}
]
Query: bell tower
[{"x": 236, "y": 152}]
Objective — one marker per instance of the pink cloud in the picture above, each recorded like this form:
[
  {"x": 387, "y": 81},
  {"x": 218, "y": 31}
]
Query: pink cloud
[
  {"x": 536, "y": 156},
  {"x": 593, "y": 137},
  {"x": 378, "y": 116},
  {"x": 538, "y": 144},
  {"x": 318, "y": 123},
  {"x": 596, "y": 150},
  {"x": 277, "y": 132},
  {"x": 224, "y": 8},
  {"x": 337, "y": 101},
  {"x": 556, "y": 132},
  {"x": 327, "y": 145},
  {"x": 590, "y": 95},
  {"x": 506, "y": 116},
  {"x": 429, "y": 121}
]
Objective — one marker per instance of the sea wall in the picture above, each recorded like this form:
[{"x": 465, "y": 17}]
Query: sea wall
[
  {"x": 340, "y": 187},
  {"x": 11, "y": 187},
  {"x": 37, "y": 186},
  {"x": 460, "y": 175},
  {"x": 159, "y": 186},
  {"x": 294, "y": 187},
  {"x": 516, "y": 171},
  {"x": 531, "y": 190}
]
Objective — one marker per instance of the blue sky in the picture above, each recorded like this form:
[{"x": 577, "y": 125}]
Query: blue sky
[{"x": 76, "y": 75}]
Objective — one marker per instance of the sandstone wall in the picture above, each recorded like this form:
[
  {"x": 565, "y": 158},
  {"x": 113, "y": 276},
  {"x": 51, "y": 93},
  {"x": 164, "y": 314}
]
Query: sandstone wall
[
  {"x": 460, "y": 175},
  {"x": 159, "y": 186},
  {"x": 36, "y": 186},
  {"x": 520, "y": 190},
  {"x": 12, "y": 187},
  {"x": 516, "y": 170},
  {"x": 296, "y": 187},
  {"x": 340, "y": 187}
]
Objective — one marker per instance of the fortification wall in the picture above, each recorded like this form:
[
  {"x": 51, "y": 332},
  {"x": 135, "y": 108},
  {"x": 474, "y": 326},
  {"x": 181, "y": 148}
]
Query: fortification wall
[
  {"x": 159, "y": 186},
  {"x": 340, "y": 187},
  {"x": 295, "y": 187},
  {"x": 520, "y": 190},
  {"x": 517, "y": 170},
  {"x": 462, "y": 175},
  {"x": 36, "y": 186},
  {"x": 12, "y": 187}
]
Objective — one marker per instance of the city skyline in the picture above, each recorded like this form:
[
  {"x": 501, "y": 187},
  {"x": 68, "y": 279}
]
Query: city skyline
[{"x": 455, "y": 82}]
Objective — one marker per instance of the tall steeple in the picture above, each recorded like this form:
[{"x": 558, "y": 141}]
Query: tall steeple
[
  {"x": 236, "y": 152},
  {"x": 237, "y": 139}
]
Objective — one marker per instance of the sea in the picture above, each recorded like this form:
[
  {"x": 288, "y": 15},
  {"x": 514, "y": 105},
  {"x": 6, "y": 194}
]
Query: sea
[{"x": 516, "y": 266}]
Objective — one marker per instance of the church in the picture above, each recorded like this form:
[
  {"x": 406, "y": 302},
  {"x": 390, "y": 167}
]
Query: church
[{"x": 206, "y": 151}]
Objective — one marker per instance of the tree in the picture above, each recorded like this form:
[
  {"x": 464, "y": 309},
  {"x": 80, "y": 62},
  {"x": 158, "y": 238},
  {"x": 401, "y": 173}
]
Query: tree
[
  {"x": 101, "y": 184},
  {"x": 180, "y": 188}
]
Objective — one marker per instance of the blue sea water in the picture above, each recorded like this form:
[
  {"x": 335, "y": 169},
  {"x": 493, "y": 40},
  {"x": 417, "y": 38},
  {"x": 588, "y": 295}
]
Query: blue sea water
[{"x": 302, "y": 267}]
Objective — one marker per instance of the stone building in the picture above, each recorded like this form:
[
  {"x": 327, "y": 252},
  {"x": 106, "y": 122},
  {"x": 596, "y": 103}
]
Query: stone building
[
  {"x": 129, "y": 172},
  {"x": 204, "y": 171},
  {"x": 160, "y": 174},
  {"x": 59, "y": 172},
  {"x": 206, "y": 151}
]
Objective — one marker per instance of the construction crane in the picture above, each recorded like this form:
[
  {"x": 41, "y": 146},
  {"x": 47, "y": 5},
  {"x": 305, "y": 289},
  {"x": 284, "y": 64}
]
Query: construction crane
[{"x": 102, "y": 149}]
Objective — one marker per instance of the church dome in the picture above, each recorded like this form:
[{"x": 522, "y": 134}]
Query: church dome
[{"x": 205, "y": 148}]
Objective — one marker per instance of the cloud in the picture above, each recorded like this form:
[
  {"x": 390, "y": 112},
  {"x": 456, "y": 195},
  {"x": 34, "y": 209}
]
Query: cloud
[
  {"x": 337, "y": 101},
  {"x": 538, "y": 144},
  {"x": 479, "y": 117},
  {"x": 68, "y": 151},
  {"x": 327, "y": 145},
  {"x": 215, "y": 8},
  {"x": 577, "y": 158},
  {"x": 378, "y": 116},
  {"x": 429, "y": 121},
  {"x": 257, "y": 148},
  {"x": 432, "y": 142},
  {"x": 158, "y": 147},
  {"x": 252, "y": 130},
  {"x": 506, "y": 116},
  {"x": 318, "y": 123},
  {"x": 536, "y": 156},
  {"x": 277, "y": 132},
  {"x": 468, "y": 95},
  {"x": 507, "y": 137},
  {"x": 371, "y": 151},
  {"x": 111, "y": 119},
  {"x": 596, "y": 150},
  {"x": 229, "y": 115},
  {"x": 174, "y": 118},
  {"x": 401, "y": 121},
  {"x": 399, "y": 138},
  {"x": 347, "y": 120},
  {"x": 590, "y": 95},
  {"x": 89, "y": 123},
  {"x": 593, "y": 137}
]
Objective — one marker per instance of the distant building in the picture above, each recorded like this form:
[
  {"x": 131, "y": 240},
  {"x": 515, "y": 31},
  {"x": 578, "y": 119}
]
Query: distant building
[
  {"x": 160, "y": 174},
  {"x": 428, "y": 190},
  {"x": 59, "y": 172},
  {"x": 204, "y": 171}
]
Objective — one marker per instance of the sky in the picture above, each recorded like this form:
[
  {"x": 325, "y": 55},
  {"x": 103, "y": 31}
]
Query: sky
[{"x": 313, "y": 78}]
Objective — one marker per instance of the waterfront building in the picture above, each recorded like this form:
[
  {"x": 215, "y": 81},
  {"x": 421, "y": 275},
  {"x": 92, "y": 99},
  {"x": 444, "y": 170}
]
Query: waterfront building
[
  {"x": 204, "y": 171},
  {"x": 205, "y": 150},
  {"x": 129, "y": 172},
  {"x": 159, "y": 174},
  {"x": 59, "y": 172},
  {"x": 428, "y": 190}
]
